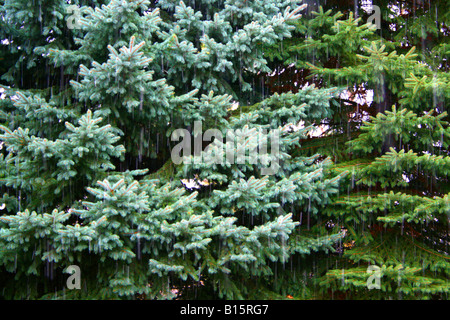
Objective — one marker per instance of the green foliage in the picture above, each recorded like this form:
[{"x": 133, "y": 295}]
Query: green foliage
[
  {"x": 393, "y": 207},
  {"x": 88, "y": 116},
  {"x": 46, "y": 170},
  {"x": 128, "y": 77}
]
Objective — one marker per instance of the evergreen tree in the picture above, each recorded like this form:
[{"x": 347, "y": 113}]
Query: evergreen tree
[
  {"x": 140, "y": 143},
  {"x": 78, "y": 180},
  {"x": 394, "y": 205}
]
